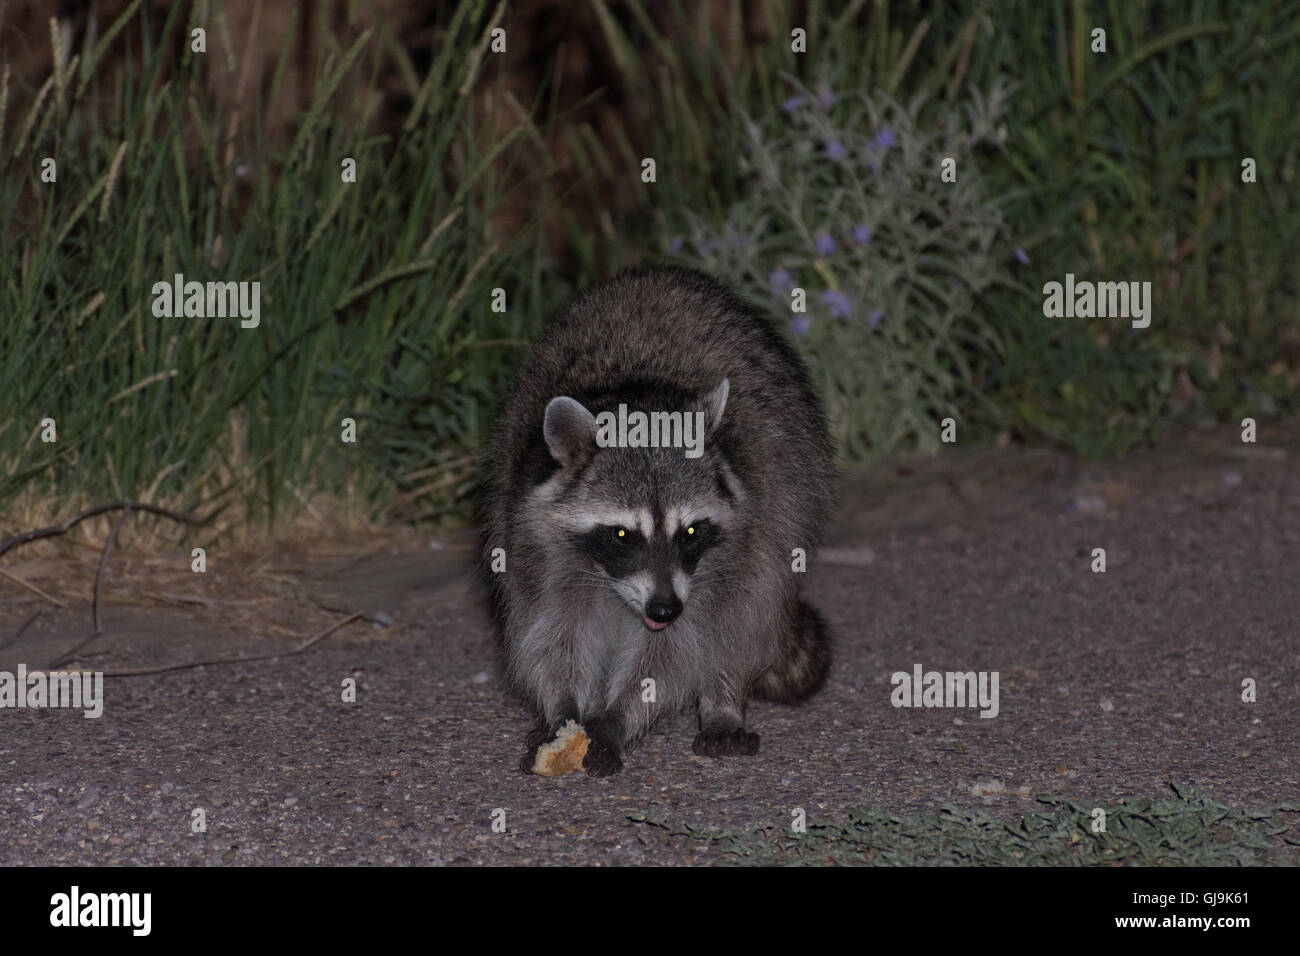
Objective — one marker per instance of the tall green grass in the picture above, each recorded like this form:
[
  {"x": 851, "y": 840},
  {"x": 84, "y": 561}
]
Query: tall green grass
[
  {"x": 1129, "y": 164},
  {"x": 375, "y": 296}
]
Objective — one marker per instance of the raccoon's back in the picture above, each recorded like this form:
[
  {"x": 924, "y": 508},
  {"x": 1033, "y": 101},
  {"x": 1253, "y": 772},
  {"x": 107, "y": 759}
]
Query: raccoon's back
[{"x": 666, "y": 323}]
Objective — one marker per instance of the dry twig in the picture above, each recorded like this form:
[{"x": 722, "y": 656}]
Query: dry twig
[{"x": 126, "y": 507}]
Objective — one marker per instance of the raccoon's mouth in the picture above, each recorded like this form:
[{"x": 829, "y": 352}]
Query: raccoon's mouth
[{"x": 655, "y": 625}]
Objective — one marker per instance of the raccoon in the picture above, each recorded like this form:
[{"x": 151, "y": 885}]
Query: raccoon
[{"x": 632, "y": 562}]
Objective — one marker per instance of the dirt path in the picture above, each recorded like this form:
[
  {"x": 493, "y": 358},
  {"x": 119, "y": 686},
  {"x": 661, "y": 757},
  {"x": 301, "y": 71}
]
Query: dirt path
[{"x": 1110, "y": 685}]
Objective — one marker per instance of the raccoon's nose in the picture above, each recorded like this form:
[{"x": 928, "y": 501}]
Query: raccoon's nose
[{"x": 662, "y": 611}]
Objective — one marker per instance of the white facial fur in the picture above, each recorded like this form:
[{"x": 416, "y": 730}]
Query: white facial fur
[
  {"x": 686, "y": 515},
  {"x": 635, "y": 589},
  {"x": 582, "y": 519}
]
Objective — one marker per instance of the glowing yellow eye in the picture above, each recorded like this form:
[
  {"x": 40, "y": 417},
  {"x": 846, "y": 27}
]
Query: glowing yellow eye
[
  {"x": 622, "y": 533},
  {"x": 691, "y": 530}
]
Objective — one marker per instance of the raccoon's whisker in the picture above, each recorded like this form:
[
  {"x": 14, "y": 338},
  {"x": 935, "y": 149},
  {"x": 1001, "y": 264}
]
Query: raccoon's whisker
[
  {"x": 706, "y": 574},
  {"x": 704, "y": 577},
  {"x": 595, "y": 583},
  {"x": 612, "y": 611},
  {"x": 590, "y": 586}
]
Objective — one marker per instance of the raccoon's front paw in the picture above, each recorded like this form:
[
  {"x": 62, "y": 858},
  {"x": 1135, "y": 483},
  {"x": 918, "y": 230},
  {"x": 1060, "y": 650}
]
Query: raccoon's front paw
[
  {"x": 602, "y": 760},
  {"x": 725, "y": 743}
]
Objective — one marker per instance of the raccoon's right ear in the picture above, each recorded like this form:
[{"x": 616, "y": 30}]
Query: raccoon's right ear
[
  {"x": 570, "y": 431},
  {"x": 714, "y": 404}
]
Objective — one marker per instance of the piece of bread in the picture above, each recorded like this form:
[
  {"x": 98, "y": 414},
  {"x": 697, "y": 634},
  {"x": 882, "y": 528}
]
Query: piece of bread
[{"x": 564, "y": 754}]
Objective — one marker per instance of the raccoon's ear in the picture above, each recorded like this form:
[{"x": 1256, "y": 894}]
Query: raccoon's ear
[
  {"x": 570, "y": 430},
  {"x": 714, "y": 403}
]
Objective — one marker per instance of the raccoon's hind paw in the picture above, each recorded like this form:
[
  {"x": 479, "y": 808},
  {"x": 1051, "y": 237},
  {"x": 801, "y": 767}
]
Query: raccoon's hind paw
[
  {"x": 601, "y": 760},
  {"x": 726, "y": 743}
]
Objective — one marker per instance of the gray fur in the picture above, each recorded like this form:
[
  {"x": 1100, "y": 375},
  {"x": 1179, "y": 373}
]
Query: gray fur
[{"x": 576, "y": 639}]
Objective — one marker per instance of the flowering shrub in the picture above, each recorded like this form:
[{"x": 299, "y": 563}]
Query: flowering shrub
[{"x": 843, "y": 198}]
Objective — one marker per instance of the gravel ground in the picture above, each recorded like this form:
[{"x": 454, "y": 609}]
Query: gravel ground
[{"x": 1111, "y": 685}]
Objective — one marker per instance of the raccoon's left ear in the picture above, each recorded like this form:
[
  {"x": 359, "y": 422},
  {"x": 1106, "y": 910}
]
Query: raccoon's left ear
[
  {"x": 569, "y": 430},
  {"x": 714, "y": 403}
]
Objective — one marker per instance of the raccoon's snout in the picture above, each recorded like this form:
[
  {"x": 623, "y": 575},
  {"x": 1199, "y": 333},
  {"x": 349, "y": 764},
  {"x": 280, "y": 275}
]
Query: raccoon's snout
[{"x": 660, "y": 612}]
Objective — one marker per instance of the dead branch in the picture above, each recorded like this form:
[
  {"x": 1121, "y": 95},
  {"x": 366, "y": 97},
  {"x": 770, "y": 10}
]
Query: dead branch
[
  {"x": 33, "y": 588},
  {"x": 50, "y": 532},
  {"x": 26, "y": 624},
  {"x": 164, "y": 668},
  {"x": 103, "y": 563}
]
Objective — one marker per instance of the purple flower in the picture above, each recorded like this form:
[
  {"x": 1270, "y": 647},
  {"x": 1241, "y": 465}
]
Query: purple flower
[
  {"x": 835, "y": 150},
  {"x": 800, "y": 325},
  {"x": 1021, "y": 257},
  {"x": 885, "y": 138},
  {"x": 736, "y": 239},
  {"x": 825, "y": 244},
  {"x": 837, "y": 304},
  {"x": 874, "y": 318},
  {"x": 781, "y": 281},
  {"x": 792, "y": 104},
  {"x": 674, "y": 245},
  {"x": 861, "y": 235},
  {"x": 827, "y": 97}
]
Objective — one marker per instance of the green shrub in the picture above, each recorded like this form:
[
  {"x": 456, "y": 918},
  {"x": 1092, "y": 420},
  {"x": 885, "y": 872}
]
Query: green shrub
[{"x": 841, "y": 197}]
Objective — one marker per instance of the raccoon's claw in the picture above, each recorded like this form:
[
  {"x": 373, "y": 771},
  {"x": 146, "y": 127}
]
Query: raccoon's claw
[
  {"x": 530, "y": 759},
  {"x": 601, "y": 760},
  {"x": 532, "y": 743},
  {"x": 726, "y": 743},
  {"x": 536, "y": 737}
]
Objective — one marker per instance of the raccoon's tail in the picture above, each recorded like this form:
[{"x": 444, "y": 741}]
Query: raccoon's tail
[{"x": 804, "y": 662}]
